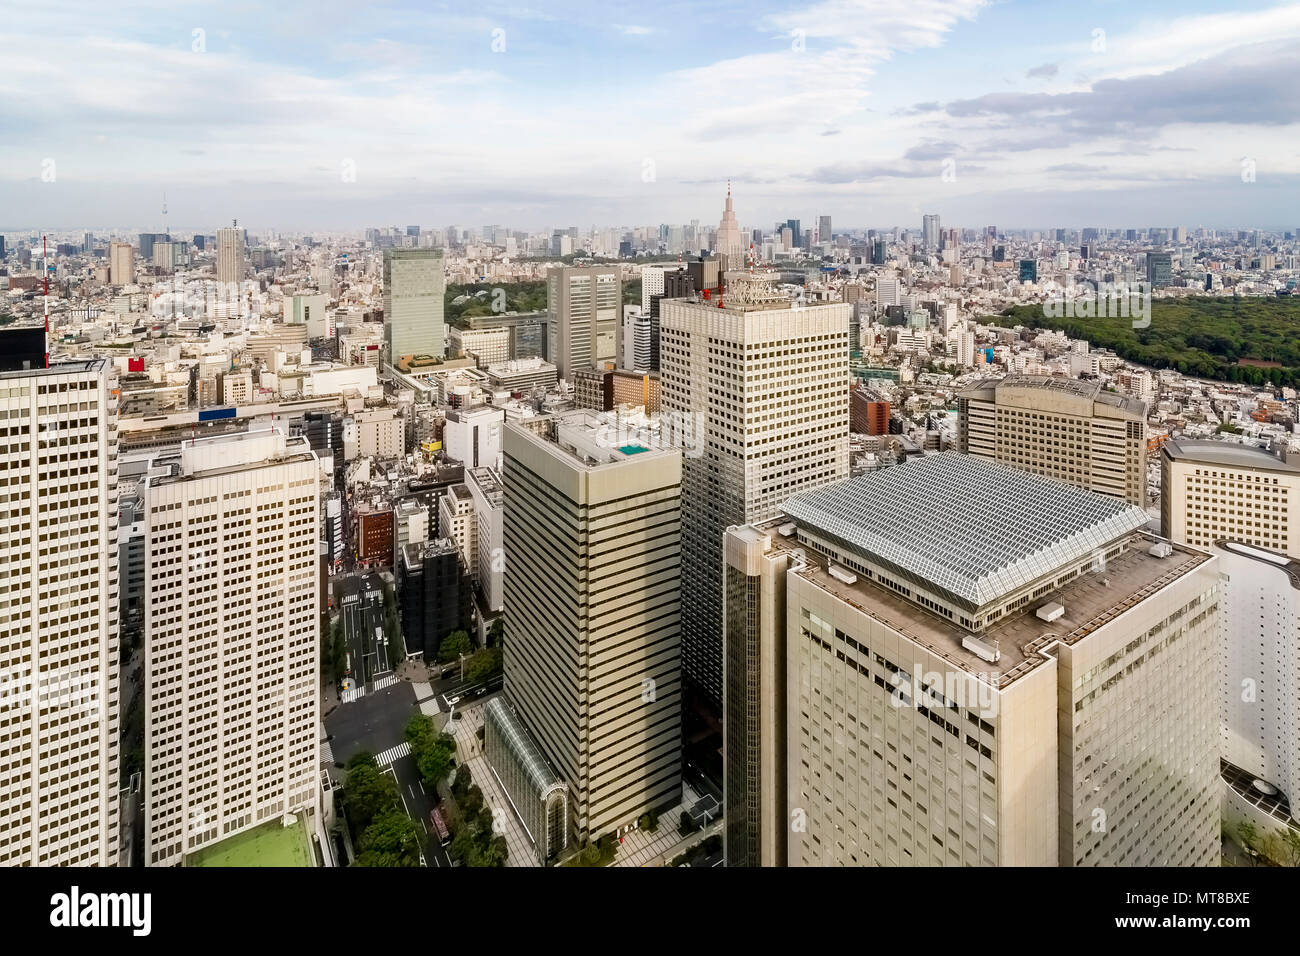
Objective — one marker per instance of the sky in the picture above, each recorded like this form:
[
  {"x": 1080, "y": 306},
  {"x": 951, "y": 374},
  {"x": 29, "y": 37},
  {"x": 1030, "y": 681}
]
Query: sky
[{"x": 326, "y": 115}]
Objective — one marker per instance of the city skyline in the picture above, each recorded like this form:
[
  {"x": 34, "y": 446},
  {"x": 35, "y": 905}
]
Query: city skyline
[{"x": 877, "y": 112}]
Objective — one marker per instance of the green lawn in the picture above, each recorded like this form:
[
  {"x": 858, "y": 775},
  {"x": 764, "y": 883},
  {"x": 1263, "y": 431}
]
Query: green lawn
[{"x": 270, "y": 844}]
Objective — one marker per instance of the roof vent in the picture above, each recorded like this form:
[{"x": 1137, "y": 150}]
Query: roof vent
[
  {"x": 1050, "y": 612},
  {"x": 1161, "y": 549},
  {"x": 843, "y": 574},
  {"x": 981, "y": 649}
]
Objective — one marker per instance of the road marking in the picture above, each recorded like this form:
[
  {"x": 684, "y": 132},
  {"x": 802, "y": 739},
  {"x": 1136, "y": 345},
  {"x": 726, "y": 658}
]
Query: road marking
[{"x": 393, "y": 754}]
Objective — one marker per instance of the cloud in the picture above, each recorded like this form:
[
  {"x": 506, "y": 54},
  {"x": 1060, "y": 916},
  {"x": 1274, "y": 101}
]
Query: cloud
[
  {"x": 633, "y": 29},
  {"x": 1046, "y": 71}
]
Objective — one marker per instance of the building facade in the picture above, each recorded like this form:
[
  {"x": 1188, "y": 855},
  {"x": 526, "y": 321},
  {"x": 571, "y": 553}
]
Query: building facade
[
  {"x": 1062, "y": 428},
  {"x": 759, "y": 388},
  {"x": 232, "y": 634},
  {"x": 414, "y": 284},
  {"x": 59, "y": 617}
]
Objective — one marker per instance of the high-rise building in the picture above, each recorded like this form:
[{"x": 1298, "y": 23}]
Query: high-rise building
[
  {"x": 232, "y": 634},
  {"x": 584, "y": 305},
  {"x": 435, "y": 594},
  {"x": 878, "y": 252},
  {"x": 729, "y": 242},
  {"x": 930, "y": 231},
  {"x": 414, "y": 283},
  {"x": 1028, "y": 270},
  {"x": 59, "y": 622},
  {"x": 1063, "y": 428},
  {"x": 759, "y": 388},
  {"x": 230, "y": 255},
  {"x": 937, "y": 690},
  {"x": 1215, "y": 490},
  {"x": 121, "y": 263},
  {"x": 592, "y": 665},
  {"x": 824, "y": 229},
  {"x": 1159, "y": 268}
]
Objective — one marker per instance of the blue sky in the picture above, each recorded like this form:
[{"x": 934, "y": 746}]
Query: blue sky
[{"x": 331, "y": 115}]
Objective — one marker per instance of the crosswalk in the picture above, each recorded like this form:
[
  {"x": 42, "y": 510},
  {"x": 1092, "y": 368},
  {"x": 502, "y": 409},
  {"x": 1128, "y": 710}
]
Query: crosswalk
[
  {"x": 379, "y": 683},
  {"x": 326, "y": 754},
  {"x": 351, "y": 694},
  {"x": 393, "y": 754}
]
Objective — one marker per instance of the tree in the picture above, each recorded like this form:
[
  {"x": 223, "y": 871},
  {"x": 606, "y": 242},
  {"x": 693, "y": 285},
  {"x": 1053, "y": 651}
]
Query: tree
[
  {"x": 1248, "y": 836},
  {"x": 391, "y": 840},
  {"x": 367, "y": 793},
  {"x": 497, "y": 632},
  {"x": 453, "y": 645},
  {"x": 1289, "y": 850},
  {"x": 483, "y": 664},
  {"x": 685, "y": 824}
]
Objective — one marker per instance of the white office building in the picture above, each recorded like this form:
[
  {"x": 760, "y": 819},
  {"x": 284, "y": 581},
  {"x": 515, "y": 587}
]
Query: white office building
[
  {"x": 232, "y": 632},
  {"x": 59, "y": 656}
]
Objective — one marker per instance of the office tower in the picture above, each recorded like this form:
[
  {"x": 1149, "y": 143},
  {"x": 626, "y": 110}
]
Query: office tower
[
  {"x": 760, "y": 390},
  {"x": 958, "y": 641},
  {"x": 824, "y": 229},
  {"x": 592, "y": 664},
  {"x": 121, "y": 263},
  {"x": 1260, "y": 690},
  {"x": 676, "y": 285},
  {"x": 414, "y": 284},
  {"x": 888, "y": 292},
  {"x": 1028, "y": 270},
  {"x": 473, "y": 435},
  {"x": 148, "y": 240},
  {"x": 2, "y": 247},
  {"x": 487, "y": 346},
  {"x": 59, "y": 621},
  {"x": 705, "y": 273},
  {"x": 435, "y": 595},
  {"x": 1063, "y": 428},
  {"x": 583, "y": 307},
  {"x": 930, "y": 231},
  {"x": 1212, "y": 490},
  {"x": 878, "y": 252},
  {"x": 230, "y": 255},
  {"x": 638, "y": 339},
  {"x": 87, "y": 243},
  {"x": 488, "y": 496},
  {"x": 796, "y": 237},
  {"x": 1159, "y": 268},
  {"x": 456, "y": 523},
  {"x": 728, "y": 241},
  {"x": 232, "y": 634}
]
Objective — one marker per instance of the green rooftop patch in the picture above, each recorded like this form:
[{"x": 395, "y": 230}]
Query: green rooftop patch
[{"x": 269, "y": 844}]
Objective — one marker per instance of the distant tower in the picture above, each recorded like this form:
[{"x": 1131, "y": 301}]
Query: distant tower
[{"x": 729, "y": 242}]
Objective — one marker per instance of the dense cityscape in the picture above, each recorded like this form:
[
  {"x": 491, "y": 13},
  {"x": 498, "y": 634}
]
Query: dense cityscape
[{"x": 782, "y": 537}]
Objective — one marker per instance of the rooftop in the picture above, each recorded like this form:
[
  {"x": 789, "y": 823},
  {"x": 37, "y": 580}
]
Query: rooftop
[
  {"x": 1229, "y": 454},
  {"x": 270, "y": 844},
  {"x": 973, "y": 528},
  {"x": 1090, "y": 601}
]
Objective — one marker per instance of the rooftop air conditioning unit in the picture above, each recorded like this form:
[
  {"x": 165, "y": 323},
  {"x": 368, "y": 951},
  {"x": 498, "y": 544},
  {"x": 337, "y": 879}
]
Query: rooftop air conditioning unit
[
  {"x": 1050, "y": 612},
  {"x": 981, "y": 649},
  {"x": 843, "y": 574},
  {"x": 1161, "y": 549}
]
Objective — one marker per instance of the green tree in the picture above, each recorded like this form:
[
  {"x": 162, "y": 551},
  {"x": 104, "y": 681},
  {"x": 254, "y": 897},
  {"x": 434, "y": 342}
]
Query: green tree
[
  {"x": 453, "y": 645},
  {"x": 367, "y": 793},
  {"x": 391, "y": 840},
  {"x": 482, "y": 664}
]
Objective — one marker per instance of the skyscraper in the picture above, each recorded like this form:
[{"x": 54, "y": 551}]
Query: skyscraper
[
  {"x": 1260, "y": 686},
  {"x": 121, "y": 263},
  {"x": 584, "y": 306},
  {"x": 230, "y": 255},
  {"x": 1064, "y": 428},
  {"x": 592, "y": 665},
  {"x": 414, "y": 283},
  {"x": 59, "y": 653},
  {"x": 760, "y": 388},
  {"x": 945, "y": 691},
  {"x": 232, "y": 632},
  {"x": 930, "y": 231},
  {"x": 824, "y": 229},
  {"x": 729, "y": 242},
  {"x": 1159, "y": 268}
]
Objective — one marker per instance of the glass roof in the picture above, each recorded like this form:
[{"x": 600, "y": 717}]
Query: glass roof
[{"x": 968, "y": 526}]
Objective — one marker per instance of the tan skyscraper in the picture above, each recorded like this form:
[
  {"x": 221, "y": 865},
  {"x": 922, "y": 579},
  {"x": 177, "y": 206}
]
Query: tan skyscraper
[
  {"x": 592, "y": 538},
  {"x": 957, "y": 663},
  {"x": 759, "y": 387},
  {"x": 1063, "y": 428},
  {"x": 728, "y": 241},
  {"x": 121, "y": 263},
  {"x": 584, "y": 307}
]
